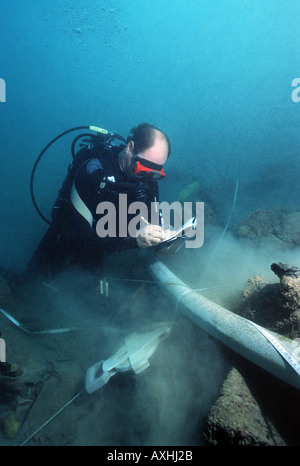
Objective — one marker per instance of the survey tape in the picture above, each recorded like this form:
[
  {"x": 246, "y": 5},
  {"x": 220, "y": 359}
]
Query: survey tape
[
  {"x": 38, "y": 332},
  {"x": 284, "y": 353}
]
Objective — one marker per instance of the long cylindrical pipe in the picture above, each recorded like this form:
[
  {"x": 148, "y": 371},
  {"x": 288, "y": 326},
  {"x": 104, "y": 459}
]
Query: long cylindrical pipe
[{"x": 231, "y": 329}]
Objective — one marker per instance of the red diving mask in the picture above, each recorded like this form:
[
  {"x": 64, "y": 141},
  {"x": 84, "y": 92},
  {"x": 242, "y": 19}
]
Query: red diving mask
[{"x": 143, "y": 168}]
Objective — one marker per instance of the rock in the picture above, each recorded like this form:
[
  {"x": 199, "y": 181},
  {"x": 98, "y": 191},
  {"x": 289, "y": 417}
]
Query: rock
[
  {"x": 209, "y": 216},
  {"x": 289, "y": 228},
  {"x": 244, "y": 231},
  {"x": 245, "y": 413},
  {"x": 285, "y": 270},
  {"x": 259, "y": 224},
  {"x": 236, "y": 418},
  {"x": 272, "y": 243},
  {"x": 289, "y": 288},
  {"x": 253, "y": 286},
  {"x": 260, "y": 302},
  {"x": 275, "y": 306},
  {"x": 283, "y": 231}
]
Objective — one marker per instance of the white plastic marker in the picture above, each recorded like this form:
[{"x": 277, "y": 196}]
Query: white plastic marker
[
  {"x": 133, "y": 355},
  {"x": 2, "y": 350}
]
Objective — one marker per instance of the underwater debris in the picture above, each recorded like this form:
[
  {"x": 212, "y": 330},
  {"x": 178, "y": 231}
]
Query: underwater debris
[
  {"x": 19, "y": 391},
  {"x": 11, "y": 383},
  {"x": 103, "y": 287}
]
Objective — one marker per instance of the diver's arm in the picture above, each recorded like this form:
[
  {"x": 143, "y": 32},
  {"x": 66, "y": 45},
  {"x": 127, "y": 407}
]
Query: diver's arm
[
  {"x": 91, "y": 236},
  {"x": 148, "y": 236}
]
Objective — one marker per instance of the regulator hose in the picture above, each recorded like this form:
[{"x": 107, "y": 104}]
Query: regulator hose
[{"x": 91, "y": 128}]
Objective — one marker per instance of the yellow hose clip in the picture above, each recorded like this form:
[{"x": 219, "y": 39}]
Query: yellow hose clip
[{"x": 98, "y": 130}]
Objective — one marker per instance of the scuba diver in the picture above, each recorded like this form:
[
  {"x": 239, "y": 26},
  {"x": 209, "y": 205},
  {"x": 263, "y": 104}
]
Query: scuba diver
[{"x": 100, "y": 172}]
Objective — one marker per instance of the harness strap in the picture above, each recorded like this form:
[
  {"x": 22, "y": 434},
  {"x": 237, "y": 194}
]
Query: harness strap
[{"x": 80, "y": 205}]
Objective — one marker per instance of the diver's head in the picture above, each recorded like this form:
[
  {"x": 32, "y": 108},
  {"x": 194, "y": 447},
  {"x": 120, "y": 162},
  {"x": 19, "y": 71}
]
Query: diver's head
[{"x": 146, "y": 152}]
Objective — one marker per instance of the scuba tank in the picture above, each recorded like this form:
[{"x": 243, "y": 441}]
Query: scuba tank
[{"x": 101, "y": 139}]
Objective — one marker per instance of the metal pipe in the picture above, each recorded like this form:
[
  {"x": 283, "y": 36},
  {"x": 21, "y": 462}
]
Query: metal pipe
[{"x": 231, "y": 329}]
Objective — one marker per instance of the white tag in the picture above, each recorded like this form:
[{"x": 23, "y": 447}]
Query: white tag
[{"x": 2, "y": 350}]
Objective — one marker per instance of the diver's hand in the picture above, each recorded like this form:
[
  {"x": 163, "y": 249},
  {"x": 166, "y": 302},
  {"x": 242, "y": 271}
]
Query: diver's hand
[{"x": 150, "y": 235}]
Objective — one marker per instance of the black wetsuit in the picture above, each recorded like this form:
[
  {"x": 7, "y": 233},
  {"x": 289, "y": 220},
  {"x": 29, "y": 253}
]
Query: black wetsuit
[{"x": 72, "y": 237}]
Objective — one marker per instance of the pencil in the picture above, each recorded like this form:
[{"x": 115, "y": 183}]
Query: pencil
[{"x": 146, "y": 221}]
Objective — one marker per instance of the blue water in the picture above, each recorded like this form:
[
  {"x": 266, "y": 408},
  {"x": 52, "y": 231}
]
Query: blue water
[{"x": 214, "y": 75}]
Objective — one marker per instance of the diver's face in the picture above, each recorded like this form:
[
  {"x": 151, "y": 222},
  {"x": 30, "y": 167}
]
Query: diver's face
[{"x": 157, "y": 153}]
